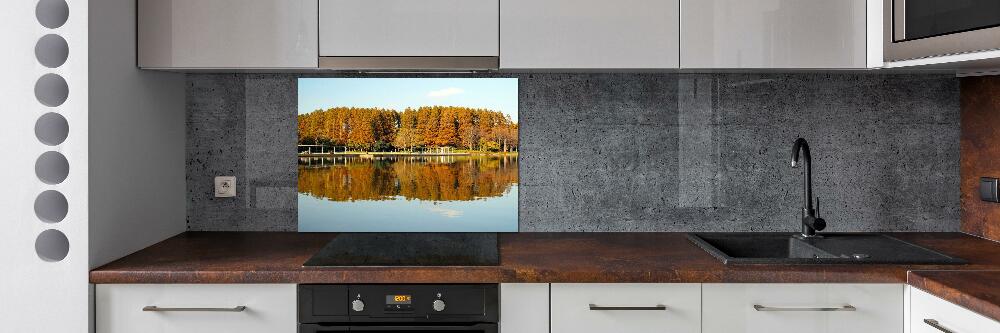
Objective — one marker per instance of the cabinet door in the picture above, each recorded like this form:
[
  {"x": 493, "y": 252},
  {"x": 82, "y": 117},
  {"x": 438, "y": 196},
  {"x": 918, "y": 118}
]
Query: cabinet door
[
  {"x": 589, "y": 34},
  {"x": 524, "y": 308},
  {"x": 227, "y": 33},
  {"x": 408, "y": 28},
  {"x": 802, "y": 308},
  {"x": 773, "y": 34},
  {"x": 930, "y": 314},
  {"x": 625, "y": 308},
  {"x": 269, "y": 308}
]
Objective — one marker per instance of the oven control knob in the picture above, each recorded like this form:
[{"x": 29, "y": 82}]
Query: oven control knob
[
  {"x": 358, "y": 305},
  {"x": 438, "y": 305}
]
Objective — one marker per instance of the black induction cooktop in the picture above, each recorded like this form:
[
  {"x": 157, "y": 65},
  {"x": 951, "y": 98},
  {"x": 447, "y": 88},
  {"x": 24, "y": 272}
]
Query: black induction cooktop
[{"x": 409, "y": 249}]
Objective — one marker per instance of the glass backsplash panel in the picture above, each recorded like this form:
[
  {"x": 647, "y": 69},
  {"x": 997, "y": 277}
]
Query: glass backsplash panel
[{"x": 407, "y": 155}]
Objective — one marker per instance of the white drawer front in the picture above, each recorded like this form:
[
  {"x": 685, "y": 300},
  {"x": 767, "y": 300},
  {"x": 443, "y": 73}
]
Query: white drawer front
[
  {"x": 947, "y": 315},
  {"x": 571, "y": 311},
  {"x": 270, "y": 308},
  {"x": 730, "y": 308}
]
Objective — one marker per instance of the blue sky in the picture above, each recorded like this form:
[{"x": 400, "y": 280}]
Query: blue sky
[{"x": 498, "y": 94}]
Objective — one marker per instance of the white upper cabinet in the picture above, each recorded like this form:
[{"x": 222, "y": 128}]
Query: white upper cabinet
[
  {"x": 626, "y": 34},
  {"x": 512, "y": 34},
  {"x": 776, "y": 34},
  {"x": 227, "y": 33},
  {"x": 408, "y": 28}
]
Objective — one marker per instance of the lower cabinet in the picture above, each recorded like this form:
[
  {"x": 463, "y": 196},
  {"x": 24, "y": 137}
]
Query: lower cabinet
[
  {"x": 723, "y": 308},
  {"x": 195, "y": 308},
  {"x": 802, "y": 308},
  {"x": 930, "y": 314},
  {"x": 625, "y": 308},
  {"x": 524, "y": 308},
  {"x": 569, "y": 308}
]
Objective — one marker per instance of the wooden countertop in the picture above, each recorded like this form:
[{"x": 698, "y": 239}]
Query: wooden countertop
[
  {"x": 974, "y": 290},
  {"x": 276, "y": 257}
]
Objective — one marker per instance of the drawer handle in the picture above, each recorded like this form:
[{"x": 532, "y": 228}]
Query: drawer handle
[
  {"x": 759, "y": 307},
  {"x": 935, "y": 324},
  {"x": 154, "y": 308},
  {"x": 595, "y": 307}
]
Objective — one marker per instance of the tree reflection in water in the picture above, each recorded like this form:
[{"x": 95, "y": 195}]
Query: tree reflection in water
[{"x": 429, "y": 178}]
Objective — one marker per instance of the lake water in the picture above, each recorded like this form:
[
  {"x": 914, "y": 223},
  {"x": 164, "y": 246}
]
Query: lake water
[{"x": 408, "y": 194}]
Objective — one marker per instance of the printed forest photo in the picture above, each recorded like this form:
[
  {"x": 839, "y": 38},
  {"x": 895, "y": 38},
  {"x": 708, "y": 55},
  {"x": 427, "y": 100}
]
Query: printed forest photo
[{"x": 407, "y": 154}]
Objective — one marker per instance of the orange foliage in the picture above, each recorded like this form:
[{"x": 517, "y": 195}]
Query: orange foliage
[
  {"x": 439, "y": 178},
  {"x": 372, "y": 129}
]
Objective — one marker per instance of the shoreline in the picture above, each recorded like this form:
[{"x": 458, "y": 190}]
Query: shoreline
[{"x": 374, "y": 154}]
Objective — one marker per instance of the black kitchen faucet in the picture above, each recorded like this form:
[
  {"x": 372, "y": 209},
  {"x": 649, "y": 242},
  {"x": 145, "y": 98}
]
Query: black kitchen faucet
[{"x": 810, "y": 221}]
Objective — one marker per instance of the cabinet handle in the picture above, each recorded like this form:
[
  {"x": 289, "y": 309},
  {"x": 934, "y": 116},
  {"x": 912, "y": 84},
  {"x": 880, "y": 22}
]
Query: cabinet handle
[
  {"x": 759, "y": 307},
  {"x": 657, "y": 307},
  {"x": 935, "y": 324},
  {"x": 154, "y": 308}
]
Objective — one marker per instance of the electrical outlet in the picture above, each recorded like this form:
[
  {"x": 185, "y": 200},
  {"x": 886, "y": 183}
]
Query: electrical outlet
[
  {"x": 225, "y": 187},
  {"x": 988, "y": 189}
]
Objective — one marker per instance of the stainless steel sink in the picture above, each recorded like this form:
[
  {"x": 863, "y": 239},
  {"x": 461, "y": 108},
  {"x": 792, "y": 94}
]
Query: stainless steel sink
[{"x": 835, "y": 248}]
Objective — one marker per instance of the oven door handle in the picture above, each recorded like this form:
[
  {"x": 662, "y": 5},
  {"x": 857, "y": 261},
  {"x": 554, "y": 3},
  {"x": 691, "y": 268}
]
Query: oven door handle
[
  {"x": 485, "y": 328},
  {"x": 321, "y": 329}
]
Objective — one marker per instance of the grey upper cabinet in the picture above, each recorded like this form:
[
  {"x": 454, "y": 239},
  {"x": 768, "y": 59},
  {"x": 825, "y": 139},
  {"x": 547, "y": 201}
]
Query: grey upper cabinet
[
  {"x": 192, "y": 34},
  {"x": 774, "y": 34},
  {"x": 622, "y": 34},
  {"x": 409, "y": 28}
]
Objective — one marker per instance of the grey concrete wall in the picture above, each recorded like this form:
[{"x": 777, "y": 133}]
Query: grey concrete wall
[{"x": 640, "y": 152}]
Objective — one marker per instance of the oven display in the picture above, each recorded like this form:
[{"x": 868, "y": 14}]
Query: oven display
[
  {"x": 398, "y": 303},
  {"x": 398, "y": 299}
]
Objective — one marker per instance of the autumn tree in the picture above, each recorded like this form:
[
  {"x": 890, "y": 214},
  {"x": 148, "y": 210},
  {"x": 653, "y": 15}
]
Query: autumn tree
[
  {"x": 371, "y": 129},
  {"x": 468, "y": 133},
  {"x": 406, "y": 138},
  {"x": 447, "y": 129},
  {"x": 427, "y": 122}
]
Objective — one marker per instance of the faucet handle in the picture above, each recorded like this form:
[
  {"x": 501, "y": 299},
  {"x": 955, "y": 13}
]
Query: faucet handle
[
  {"x": 818, "y": 224},
  {"x": 817, "y": 206}
]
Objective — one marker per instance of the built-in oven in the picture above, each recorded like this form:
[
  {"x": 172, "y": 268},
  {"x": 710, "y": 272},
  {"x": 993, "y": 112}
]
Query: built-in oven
[
  {"x": 928, "y": 28},
  {"x": 384, "y": 308}
]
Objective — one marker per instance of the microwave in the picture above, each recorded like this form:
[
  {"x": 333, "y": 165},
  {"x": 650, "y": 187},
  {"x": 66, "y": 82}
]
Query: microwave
[{"x": 915, "y": 29}]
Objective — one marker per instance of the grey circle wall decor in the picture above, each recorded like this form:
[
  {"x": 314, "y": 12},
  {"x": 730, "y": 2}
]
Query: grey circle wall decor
[
  {"x": 51, "y": 206},
  {"x": 52, "y": 167},
  {"x": 52, "y": 13},
  {"x": 51, "y": 90},
  {"x": 52, "y": 245},
  {"x": 51, "y": 129},
  {"x": 51, "y": 51}
]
